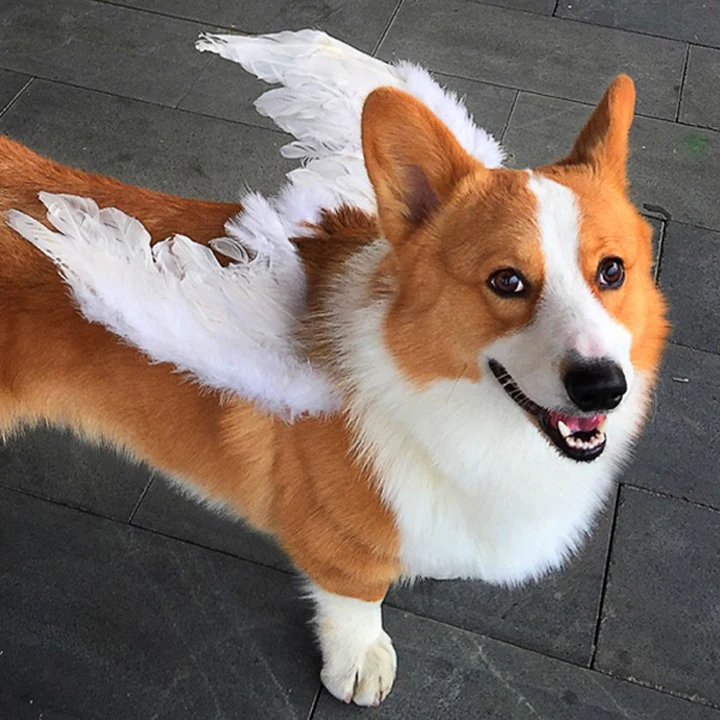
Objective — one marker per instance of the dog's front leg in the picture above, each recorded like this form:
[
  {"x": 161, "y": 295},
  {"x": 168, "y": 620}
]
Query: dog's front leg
[{"x": 359, "y": 660}]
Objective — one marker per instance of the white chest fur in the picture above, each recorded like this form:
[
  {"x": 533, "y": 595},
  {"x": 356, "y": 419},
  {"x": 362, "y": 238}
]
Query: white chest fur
[{"x": 476, "y": 490}]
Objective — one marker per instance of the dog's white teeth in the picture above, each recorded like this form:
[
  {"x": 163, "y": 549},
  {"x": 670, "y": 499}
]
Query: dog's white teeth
[
  {"x": 564, "y": 429},
  {"x": 597, "y": 439},
  {"x": 579, "y": 444}
]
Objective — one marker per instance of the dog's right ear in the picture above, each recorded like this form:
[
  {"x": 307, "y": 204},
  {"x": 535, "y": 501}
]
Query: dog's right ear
[{"x": 414, "y": 162}]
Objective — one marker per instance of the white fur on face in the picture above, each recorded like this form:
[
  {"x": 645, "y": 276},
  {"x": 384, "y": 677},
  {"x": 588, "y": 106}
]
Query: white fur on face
[{"x": 569, "y": 320}]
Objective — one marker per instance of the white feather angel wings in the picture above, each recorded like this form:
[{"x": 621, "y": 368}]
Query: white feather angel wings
[{"x": 233, "y": 327}]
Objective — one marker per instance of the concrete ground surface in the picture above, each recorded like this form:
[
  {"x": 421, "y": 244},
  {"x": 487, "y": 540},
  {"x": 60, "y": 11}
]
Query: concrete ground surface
[{"x": 121, "y": 600}]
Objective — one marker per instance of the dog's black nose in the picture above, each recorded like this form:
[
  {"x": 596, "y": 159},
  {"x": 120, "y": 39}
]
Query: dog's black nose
[{"x": 595, "y": 386}]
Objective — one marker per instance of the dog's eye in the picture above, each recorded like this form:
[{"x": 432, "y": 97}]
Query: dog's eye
[
  {"x": 507, "y": 281},
  {"x": 610, "y": 273}
]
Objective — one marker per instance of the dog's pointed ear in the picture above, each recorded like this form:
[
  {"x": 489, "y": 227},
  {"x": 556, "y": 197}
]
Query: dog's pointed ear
[
  {"x": 603, "y": 142},
  {"x": 414, "y": 162}
]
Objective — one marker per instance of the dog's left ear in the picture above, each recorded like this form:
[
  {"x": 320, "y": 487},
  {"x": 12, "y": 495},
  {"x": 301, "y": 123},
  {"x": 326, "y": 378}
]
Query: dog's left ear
[
  {"x": 603, "y": 142},
  {"x": 414, "y": 162}
]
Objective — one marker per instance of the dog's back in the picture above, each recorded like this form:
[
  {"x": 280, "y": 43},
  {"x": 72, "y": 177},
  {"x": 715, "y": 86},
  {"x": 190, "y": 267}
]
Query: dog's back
[{"x": 57, "y": 367}]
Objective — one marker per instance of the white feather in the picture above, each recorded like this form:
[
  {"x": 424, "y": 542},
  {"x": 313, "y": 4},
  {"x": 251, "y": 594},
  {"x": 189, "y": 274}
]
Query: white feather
[
  {"x": 232, "y": 327},
  {"x": 324, "y": 85}
]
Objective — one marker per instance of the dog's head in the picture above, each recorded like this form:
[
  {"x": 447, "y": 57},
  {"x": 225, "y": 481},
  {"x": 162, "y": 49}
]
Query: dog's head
[{"x": 540, "y": 278}]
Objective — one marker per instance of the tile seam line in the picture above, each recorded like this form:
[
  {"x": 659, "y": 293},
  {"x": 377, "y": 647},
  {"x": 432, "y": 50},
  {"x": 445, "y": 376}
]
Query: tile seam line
[
  {"x": 145, "y": 490},
  {"x": 170, "y": 108},
  {"x": 694, "y": 348},
  {"x": 315, "y": 701},
  {"x": 667, "y": 496},
  {"x": 387, "y": 27},
  {"x": 157, "y": 13},
  {"x": 699, "y": 126},
  {"x": 143, "y": 529},
  {"x": 684, "y": 223},
  {"x": 557, "y": 19},
  {"x": 27, "y": 84},
  {"x": 643, "y": 33},
  {"x": 509, "y": 117},
  {"x": 194, "y": 82},
  {"x": 60, "y": 503},
  {"x": 683, "y": 80},
  {"x": 605, "y": 577},
  {"x": 698, "y": 702},
  {"x": 497, "y": 4}
]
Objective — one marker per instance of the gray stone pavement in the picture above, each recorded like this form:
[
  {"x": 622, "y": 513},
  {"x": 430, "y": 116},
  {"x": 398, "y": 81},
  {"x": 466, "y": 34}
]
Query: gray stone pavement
[{"x": 121, "y": 600}]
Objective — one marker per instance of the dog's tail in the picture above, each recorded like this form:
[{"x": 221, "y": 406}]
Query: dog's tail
[{"x": 323, "y": 85}]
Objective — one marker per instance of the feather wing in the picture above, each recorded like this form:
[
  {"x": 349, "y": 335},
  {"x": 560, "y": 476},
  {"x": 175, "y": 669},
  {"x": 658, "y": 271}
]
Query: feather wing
[
  {"x": 324, "y": 83},
  {"x": 232, "y": 328}
]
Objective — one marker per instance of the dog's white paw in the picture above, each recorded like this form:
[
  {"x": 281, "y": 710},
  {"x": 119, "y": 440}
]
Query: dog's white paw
[
  {"x": 364, "y": 678},
  {"x": 359, "y": 660}
]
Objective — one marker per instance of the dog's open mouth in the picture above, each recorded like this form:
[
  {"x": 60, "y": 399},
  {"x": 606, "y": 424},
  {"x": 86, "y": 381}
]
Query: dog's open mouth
[{"x": 578, "y": 437}]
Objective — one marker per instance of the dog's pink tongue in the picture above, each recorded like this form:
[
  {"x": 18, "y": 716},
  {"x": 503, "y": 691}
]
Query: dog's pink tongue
[{"x": 579, "y": 424}]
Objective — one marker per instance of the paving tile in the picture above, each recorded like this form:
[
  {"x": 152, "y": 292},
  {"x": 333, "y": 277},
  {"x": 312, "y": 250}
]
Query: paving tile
[
  {"x": 542, "y": 130},
  {"x": 677, "y": 167},
  {"x": 671, "y": 165},
  {"x": 691, "y": 20},
  {"x": 691, "y": 257},
  {"x": 542, "y": 7},
  {"x": 101, "y": 46},
  {"x": 535, "y": 53},
  {"x": 556, "y": 616},
  {"x": 102, "y": 620},
  {"x": 489, "y": 105},
  {"x": 661, "y": 617},
  {"x": 165, "y": 509},
  {"x": 145, "y": 144},
  {"x": 54, "y": 464},
  {"x": 448, "y": 673},
  {"x": 11, "y": 83},
  {"x": 678, "y": 451},
  {"x": 360, "y": 23},
  {"x": 700, "y": 99}
]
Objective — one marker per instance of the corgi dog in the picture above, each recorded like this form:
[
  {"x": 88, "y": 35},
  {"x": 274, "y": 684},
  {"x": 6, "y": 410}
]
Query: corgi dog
[{"x": 491, "y": 337}]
